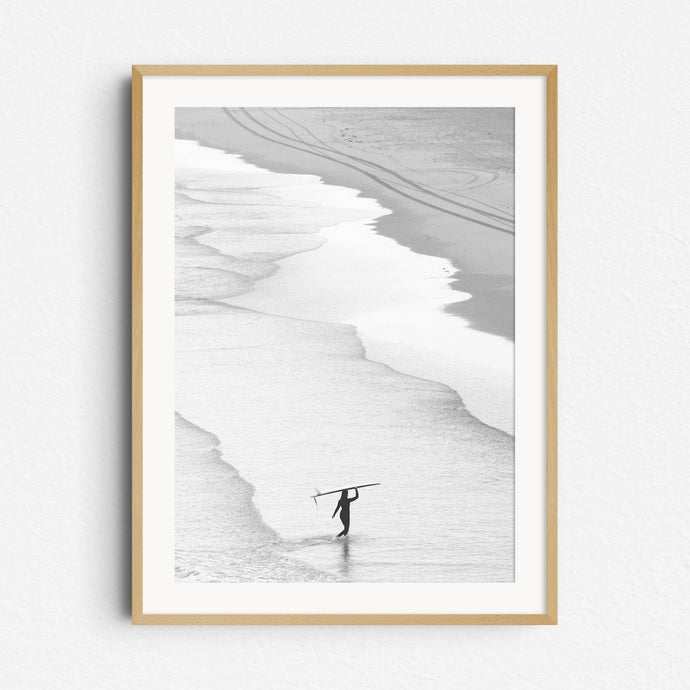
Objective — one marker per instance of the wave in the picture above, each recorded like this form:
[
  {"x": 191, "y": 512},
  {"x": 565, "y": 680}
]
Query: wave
[{"x": 218, "y": 530}]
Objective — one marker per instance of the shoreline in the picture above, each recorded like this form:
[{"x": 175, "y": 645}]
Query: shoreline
[
  {"x": 234, "y": 533},
  {"x": 359, "y": 276},
  {"x": 483, "y": 259}
]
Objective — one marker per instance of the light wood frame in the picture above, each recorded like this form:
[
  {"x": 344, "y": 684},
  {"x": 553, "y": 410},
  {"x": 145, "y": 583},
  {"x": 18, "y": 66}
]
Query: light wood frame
[{"x": 548, "y": 618}]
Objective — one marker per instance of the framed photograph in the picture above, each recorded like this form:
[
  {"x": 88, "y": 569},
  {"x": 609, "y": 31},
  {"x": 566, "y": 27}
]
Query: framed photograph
[{"x": 344, "y": 344}]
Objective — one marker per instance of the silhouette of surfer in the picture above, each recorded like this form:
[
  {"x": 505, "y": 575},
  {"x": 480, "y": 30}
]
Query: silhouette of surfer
[{"x": 344, "y": 508}]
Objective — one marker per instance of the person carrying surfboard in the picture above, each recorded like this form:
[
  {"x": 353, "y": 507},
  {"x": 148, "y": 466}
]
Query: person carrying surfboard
[{"x": 344, "y": 508}]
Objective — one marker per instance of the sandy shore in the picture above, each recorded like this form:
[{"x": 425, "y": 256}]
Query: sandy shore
[{"x": 450, "y": 187}]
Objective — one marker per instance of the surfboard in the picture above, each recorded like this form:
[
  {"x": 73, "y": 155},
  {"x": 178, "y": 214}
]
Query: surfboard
[{"x": 345, "y": 488}]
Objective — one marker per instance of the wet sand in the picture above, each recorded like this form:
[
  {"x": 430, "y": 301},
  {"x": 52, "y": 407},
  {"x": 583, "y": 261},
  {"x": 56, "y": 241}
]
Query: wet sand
[{"x": 450, "y": 186}]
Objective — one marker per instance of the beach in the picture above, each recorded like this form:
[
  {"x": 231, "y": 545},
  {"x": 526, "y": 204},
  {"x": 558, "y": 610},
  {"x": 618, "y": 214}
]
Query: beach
[
  {"x": 430, "y": 166},
  {"x": 297, "y": 368}
]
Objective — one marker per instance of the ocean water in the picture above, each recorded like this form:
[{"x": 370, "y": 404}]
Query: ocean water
[{"x": 313, "y": 353}]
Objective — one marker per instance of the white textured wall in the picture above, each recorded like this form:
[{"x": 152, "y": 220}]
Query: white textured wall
[{"x": 624, "y": 334}]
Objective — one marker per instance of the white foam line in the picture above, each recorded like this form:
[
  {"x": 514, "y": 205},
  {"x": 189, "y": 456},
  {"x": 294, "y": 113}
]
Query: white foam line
[{"x": 392, "y": 295}]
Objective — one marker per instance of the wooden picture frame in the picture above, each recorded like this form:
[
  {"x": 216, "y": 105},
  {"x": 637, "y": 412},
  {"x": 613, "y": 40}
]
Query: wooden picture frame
[{"x": 139, "y": 616}]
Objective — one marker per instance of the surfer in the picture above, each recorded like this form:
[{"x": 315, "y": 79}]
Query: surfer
[{"x": 344, "y": 508}]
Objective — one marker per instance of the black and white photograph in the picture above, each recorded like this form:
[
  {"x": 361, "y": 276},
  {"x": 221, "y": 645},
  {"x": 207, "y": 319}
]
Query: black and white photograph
[{"x": 344, "y": 344}]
